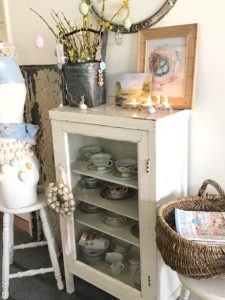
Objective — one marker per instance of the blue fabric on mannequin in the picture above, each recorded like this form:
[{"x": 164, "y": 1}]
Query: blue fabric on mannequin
[
  {"x": 20, "y": 131},
  {"x": 9, "y": 71}
]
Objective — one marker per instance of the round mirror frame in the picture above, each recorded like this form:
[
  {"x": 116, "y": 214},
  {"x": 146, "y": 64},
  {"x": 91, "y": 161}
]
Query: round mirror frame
[{"x": 150, "y": 21}]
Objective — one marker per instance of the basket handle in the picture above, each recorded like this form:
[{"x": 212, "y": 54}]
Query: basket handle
[{"x": 214, "y": 184}]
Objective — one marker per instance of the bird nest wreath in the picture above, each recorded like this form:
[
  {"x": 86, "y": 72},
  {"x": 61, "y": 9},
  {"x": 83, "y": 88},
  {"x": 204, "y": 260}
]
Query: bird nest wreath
[{"x": 60, "y": 199}]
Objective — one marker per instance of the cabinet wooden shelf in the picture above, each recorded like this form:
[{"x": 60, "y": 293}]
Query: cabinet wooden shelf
[
  {"x": 124, "y": 276},
  {"x": 82, "y": 168},
  {"x": 95, "y": 221},
  {"x": 126, "y": 207},
  {"x": 159, "y": 143}
]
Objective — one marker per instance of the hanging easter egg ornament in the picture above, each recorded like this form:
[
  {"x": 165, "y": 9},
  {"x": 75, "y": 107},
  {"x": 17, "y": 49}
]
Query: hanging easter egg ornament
[
  {"x": 60, "y": 199},
  {"x": 83, "y": 8},
  {"x": 127, "y": 23},
  {"x": 118, "y": 37},
  {"x": 39, "y": 41}
]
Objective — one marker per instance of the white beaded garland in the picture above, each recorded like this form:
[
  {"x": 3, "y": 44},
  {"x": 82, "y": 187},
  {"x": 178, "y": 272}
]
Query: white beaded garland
[
  {"x": 60, "y": 198},
  {"x": 14, "y": 150}
]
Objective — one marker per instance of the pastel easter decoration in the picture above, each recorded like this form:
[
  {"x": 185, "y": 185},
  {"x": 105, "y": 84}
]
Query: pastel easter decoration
[
  {"x": 19, "y": 167},
  {"x": 39, "y": 41},
  {"x": 83, "y": 8},
  {"x": 82, "y": 105},
  {"x": 127, "y": 23}
]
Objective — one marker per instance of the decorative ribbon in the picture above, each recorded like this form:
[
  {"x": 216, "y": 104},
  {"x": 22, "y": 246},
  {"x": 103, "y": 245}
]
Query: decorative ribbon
[{"x": 21, "y": 131}]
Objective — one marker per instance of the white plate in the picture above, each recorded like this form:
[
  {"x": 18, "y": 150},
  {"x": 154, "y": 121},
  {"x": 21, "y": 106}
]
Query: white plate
[{"x": 112, "y": 223}]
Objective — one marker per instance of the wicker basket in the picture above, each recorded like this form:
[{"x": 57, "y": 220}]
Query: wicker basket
[{"x": 187, "y": 257}]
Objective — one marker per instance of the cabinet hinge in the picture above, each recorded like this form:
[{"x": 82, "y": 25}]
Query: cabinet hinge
[
  {"x": 149, "y": 280},
  {"x": 148, "y": 165}
]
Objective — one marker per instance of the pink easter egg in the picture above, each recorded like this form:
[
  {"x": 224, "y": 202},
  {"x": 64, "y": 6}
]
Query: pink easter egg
[{"x": 39, "y": 41}]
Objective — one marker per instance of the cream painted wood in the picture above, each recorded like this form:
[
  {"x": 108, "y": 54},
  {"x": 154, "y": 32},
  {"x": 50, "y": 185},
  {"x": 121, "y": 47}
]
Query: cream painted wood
[
  {"x": 2, "y": 22},
  {"x": 206, "y": 289},
  {"x": 8, "y": 245},
  {"x": 159, "y": 143}
]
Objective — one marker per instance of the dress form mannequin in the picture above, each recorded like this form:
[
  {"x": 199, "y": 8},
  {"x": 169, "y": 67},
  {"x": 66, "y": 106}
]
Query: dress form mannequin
[{"x": 19, "y": 168}]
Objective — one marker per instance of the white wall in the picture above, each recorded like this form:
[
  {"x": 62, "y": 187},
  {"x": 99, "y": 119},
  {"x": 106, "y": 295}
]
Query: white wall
[
  {"x": 2, "y": 22},
  {"x": 207, "y": 127}
]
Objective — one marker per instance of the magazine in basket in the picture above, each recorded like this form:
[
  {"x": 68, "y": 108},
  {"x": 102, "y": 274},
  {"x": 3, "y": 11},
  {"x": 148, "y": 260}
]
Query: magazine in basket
[{"x": 201, "y": 226}]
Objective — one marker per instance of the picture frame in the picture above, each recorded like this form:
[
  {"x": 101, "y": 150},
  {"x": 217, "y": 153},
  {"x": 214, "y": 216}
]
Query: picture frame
[
  {"x": 169, "y": 54},
  {"x": 132, "y": 87}
]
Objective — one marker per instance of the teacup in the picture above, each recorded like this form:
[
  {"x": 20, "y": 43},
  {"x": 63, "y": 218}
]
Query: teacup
[
  {"x": 91, "y": 181},
  {"x": 89, "y": 150},
  {"x": 113, "y": 257},
  {"x": 116, "y": 268},
  {"x": 126, "y": 166},
  {"x": 134, "y": 265},
  {"x": 101, "y": 161},
  {"x": 91, "y": 241},
  {"x": 119, "y": 246},
  {"x": 116, "y": 190}
]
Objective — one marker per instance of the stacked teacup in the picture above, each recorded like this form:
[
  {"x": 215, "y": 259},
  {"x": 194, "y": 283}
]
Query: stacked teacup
[
  {"x": 19, "y": 170},
  {"x": 114, "y": 262},
  {"x": 126, "y": 167},
  {"x": 93, "y": 246}
]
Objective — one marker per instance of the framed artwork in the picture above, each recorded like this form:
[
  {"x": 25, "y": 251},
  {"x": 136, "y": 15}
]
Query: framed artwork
[
  {"x": 132, "y": 86},
  {"x": 169, "y": 54}
]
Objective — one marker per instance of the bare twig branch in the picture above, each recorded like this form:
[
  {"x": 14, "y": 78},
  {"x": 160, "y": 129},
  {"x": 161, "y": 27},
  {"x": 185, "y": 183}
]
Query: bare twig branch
[{"x": 44, "y": 22}]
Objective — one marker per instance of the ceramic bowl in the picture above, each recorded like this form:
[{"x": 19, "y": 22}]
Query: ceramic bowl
[
  {"x": 89, "y": 150},
  {"x": 126, "y": 166}
]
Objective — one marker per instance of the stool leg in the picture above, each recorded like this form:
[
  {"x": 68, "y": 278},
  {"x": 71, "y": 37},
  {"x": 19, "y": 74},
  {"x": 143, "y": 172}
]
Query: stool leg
[
  {"x": 51, "y": 247},
  {"x": 5, "y": 256},
  {"x": 184, "y": 293},
  {"x": 11, "y": 238}
]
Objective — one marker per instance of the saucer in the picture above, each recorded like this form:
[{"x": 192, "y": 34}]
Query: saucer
[
  {"x": 119, "y": 175},
  {"x": 95, "y": 185},
  {"x": 105, "y": 193},
  {"x": 112, "y": 223},
  {"x": 89, "y": 208},
  {"x": 92, "y": 167}
]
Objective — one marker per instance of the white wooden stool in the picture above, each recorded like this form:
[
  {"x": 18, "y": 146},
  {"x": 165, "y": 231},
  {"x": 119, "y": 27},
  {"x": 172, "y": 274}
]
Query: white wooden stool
[
  {"x": 206, "y": 289},
  {"x": 8, "y": 244}
]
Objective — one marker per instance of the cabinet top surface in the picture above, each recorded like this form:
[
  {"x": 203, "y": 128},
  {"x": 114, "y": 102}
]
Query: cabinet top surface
[{"x": 103, "y": 113}]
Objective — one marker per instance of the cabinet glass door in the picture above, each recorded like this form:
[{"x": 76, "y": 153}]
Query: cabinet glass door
[{"x": 104, "y": 180}]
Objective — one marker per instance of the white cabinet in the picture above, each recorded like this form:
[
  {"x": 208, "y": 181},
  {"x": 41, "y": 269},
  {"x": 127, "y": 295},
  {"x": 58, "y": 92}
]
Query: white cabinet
[{"x": 159, "y": 144}]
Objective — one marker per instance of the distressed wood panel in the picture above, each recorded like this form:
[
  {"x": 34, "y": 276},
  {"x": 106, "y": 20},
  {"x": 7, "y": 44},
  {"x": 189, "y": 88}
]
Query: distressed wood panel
[{"x": 44, "y": 91}]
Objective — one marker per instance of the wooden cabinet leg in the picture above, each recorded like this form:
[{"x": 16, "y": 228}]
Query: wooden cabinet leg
[{"x": 184, "y": 293}]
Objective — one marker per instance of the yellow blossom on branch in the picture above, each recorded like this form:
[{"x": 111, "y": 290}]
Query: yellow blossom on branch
[{"x": 125, "y": 4}]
